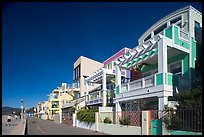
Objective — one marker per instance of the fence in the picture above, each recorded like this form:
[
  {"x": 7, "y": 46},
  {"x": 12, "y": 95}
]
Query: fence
[
  {"x": 187, "y": 119},
  {"x": 131, "y": 118}
]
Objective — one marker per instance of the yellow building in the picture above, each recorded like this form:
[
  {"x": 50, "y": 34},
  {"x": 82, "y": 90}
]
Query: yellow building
[{"x": 57, "y": 98}]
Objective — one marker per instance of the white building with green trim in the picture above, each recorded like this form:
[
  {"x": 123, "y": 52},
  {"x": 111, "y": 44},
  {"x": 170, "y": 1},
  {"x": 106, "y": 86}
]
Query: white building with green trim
[{"x": 168, "y": 51}]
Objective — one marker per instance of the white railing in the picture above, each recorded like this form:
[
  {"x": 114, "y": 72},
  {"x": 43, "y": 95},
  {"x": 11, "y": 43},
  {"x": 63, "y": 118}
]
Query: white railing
[
  {"x": 94, "y": 101},
  {"x": 184, "y": 34},
  {"x": 149, "y": 81},
  {"x": 74, "y": 85},
  {"x": 138, "y": 84}
]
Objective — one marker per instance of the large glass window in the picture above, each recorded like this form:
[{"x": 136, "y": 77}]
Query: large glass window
[
  {"x": 77, "y": 72},
  {"x": 55, "y": 104},
  {"x": 197, "y": 31},
  {"x": 110, "y": 65}
]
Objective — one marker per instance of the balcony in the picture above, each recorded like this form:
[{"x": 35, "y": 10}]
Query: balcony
[
  {"x": 139, "y": 84},
  {"x": 95, "y": 98},
  {"x": 95, "y": 101},
  {"x": 152, "y": 85}
]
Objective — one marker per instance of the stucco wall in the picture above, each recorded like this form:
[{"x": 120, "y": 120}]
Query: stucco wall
[
  {"x": 86, "y": 125},
  {"x": 114, "y": 129}
]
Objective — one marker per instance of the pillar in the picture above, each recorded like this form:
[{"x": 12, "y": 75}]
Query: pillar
[
  {"x": 86, "y": 95},
  {"x": 162, "y": 102},
  {"x": 162, "y": 59},
  {"x": 118, "y": 79},
  {"x": 104, "y": 89},
  {"x": 118, "y": 112}
]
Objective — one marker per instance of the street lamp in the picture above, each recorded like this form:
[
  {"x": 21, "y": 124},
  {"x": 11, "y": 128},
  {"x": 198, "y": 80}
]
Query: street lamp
[{"x": 22, "y": 108}]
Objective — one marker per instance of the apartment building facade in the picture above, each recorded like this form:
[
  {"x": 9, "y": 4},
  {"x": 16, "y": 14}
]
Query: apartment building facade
[
  {"x": 103, "y": 95},
  {"x": 164, "y": 61}
]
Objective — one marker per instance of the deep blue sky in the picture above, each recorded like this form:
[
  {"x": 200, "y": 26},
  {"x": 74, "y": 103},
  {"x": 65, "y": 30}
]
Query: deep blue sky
[{"x": 41, "y": 41}]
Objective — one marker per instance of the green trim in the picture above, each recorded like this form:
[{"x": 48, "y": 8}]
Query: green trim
[
  {"x": 159, "y": 79},
  {"x": 168, "y": 32},
  {"x": 168, "y": 79},
  {"x": 177, "y": 40},
  {"x": 185, "y": 68},
  {"x": 117, "y": 89},
  {"x": 193, "y": 52}
]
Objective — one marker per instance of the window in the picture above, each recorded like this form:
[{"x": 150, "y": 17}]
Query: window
[
  {"x": 77, "y": 72},
  {"x": 110, "y": 65},
  {"x": 197, "y": 31},
  {"x": 161, "y": 28}
]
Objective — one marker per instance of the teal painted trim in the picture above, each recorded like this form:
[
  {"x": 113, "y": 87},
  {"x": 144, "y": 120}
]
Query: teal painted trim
[
  {"x": 185, "y": 67},
  {"x": 159, "y": 79},
  {"x": 193, "y": 52},
  {"x": 168, "y": 79},
  {"x": 117, "y": 89},
  {"x": 180, "y": 132},
  {"x": 175, "y": 80},
  {"x": 168, "y": 32},
  {"x": 177, "y": 40}
]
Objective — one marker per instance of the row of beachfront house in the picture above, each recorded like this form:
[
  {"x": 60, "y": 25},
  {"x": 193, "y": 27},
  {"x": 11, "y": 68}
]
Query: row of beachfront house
[{"x": 162, "y": 64}]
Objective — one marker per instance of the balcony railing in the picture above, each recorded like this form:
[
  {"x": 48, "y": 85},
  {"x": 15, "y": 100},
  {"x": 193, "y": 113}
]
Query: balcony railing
[
  {"x": 157, "y": 79},
  {"x": 184, "y": 35},
  {"x": 139, "y": 84},
  {"x": 94, "y": 101}
]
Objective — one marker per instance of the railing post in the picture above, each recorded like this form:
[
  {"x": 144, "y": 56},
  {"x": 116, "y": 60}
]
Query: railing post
[{"x": 143, "y": 83}]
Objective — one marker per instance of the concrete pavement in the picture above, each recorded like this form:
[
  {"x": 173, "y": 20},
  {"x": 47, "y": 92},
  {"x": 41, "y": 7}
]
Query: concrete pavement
[
  {"x": 16, "y": 127},
  {"x": 36, "y": 126}
]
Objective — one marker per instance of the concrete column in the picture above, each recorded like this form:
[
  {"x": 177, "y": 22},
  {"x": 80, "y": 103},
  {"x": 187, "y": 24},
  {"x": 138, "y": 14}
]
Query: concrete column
[
  {"x": 118, "y": 112},
  {"x": 162, "y": 102},
  {"x": 152, "y": 34},
  {"x": 104, "y": 89},
  {"x": 74, "y": 120},
  {"x": 86, "y": 95},
  {"x": 168, "y": 23},
  {"x": 96, "y": 119},
  {"x": 162, "y": 59},
  {"x": 118, "y": 78},
  {"x": 60, "y": 116},
  {"x": 146, "y": 117}
]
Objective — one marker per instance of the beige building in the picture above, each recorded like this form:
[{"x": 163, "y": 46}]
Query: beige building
[{"x": 83, "y": 67}]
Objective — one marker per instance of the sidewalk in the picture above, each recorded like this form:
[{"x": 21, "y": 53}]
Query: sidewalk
[{"x": 17, "y": 127}]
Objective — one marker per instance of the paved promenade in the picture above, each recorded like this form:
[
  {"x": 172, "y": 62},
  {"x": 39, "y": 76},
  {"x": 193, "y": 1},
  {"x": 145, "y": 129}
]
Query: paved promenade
[
  {"x": 15, "y": 128},
  {"x": 38, "y": 126}
]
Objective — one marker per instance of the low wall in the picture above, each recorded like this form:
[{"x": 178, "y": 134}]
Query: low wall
[
  {"x": 114, "y": 129},
  {"x": 86, "y": 125}
]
